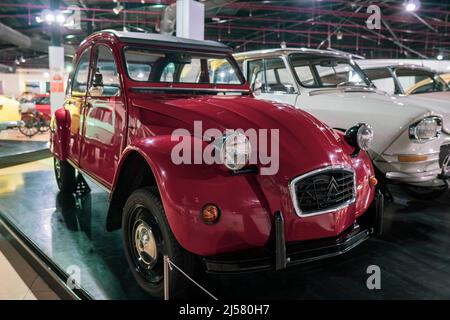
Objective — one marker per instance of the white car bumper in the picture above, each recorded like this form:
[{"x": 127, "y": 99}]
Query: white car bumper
[{"x": 420, "y": 165}]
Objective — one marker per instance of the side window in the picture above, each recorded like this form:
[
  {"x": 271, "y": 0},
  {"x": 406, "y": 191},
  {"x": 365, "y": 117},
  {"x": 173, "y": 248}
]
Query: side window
[
  {"x": 80, "y": 77},
  {"x": 256, "y": 75},
  {"x": 168, "y": 73},
  {"x": 278, "y": 77},
  {"x": 305, "y": 75},
  {"x": 105, "y": 80},
  {"x": 271, "y": 76}
]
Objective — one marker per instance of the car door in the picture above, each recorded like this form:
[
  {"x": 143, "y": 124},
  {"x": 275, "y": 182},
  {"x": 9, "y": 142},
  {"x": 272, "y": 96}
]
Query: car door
[
  {"x": 270, "y": 79},
  {"x": 74, "y": 102},
  {"x": 104, "y": 112}
]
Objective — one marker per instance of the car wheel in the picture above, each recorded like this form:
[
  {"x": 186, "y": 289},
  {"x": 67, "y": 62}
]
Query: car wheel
[
  {"x": 147, "y": 239},
  {"x": 423, "y": 193},
  {"x": 65, "y": 176}
]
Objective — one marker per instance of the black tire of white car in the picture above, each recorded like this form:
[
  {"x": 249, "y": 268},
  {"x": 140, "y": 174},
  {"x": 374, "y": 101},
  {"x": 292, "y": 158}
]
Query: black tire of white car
[
  {"x": 144, "y": 210},
  {"x": 65, "y": 176}
]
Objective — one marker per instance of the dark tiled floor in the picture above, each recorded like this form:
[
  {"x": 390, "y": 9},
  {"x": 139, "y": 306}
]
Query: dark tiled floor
[{"x": 414, "y": 255}]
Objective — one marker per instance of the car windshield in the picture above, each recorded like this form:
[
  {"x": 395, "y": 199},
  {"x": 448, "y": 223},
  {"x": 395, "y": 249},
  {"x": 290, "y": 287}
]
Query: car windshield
[
  {"x": 326, "y": 72},
  {"x": 415, "y": 81},
  {"x": 177, "y": 67}
]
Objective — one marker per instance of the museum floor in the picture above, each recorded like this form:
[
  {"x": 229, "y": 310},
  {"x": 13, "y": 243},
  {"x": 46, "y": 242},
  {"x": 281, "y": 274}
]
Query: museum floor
[{"x": 413, "y": 255}]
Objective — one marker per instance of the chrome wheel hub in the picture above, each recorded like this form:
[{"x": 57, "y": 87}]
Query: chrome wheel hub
[{"x": 145, "y": 244}]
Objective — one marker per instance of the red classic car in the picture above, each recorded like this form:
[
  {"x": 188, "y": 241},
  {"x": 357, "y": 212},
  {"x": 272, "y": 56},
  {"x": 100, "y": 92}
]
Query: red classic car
[{"x": 127, "y": 96}]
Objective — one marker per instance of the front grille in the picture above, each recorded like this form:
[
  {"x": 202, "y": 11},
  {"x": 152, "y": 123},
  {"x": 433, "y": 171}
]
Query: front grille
[
  {"x": 445, "y": 151},
  {"x": 323, "y": 190}
]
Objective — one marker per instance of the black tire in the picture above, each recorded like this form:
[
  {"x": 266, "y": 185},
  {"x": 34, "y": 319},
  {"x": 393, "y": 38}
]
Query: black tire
[
  {"x": 65, "y": 176},
  {"x": 423, "y": 193},
  {"x": 144, "y": 210}
]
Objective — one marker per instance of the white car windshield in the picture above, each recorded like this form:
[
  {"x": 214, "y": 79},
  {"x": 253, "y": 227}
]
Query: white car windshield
[{"x": 327, "y": 72}]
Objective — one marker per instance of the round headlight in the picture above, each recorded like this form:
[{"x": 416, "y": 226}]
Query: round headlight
[
  {"x": 426, "y": 129},
  {"x": 364, "y": 137},
  {"x": 235, "y": 151}
]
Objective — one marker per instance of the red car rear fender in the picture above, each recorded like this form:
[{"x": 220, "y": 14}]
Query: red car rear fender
[{"x": 59, "y": 139}]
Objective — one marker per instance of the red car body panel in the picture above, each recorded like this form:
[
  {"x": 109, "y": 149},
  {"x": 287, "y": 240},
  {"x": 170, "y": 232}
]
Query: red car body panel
[{"x": 144, "y": 123}]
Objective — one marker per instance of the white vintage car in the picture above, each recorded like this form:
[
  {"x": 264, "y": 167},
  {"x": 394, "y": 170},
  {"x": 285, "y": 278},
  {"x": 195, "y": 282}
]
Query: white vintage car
[{"x": 412, "y": 142}]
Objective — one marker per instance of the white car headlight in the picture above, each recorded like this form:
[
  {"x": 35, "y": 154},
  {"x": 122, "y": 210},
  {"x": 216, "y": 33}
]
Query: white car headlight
[
  {"x": 426, "y": 129},
  {"x": 235, "y": 151},
  {"x": 364, "y": 137}
]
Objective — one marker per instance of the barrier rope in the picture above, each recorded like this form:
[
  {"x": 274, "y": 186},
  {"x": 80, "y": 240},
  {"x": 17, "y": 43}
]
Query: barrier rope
[{"x": 171, "y": 264}]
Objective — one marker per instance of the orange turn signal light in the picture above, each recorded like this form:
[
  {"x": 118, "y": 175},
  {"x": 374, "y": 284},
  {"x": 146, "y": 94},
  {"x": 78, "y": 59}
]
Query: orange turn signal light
[
  {"x": 210, "y": 213},
  {"x": 413, "y": 158},
  {"x": 373, "y": 181}
]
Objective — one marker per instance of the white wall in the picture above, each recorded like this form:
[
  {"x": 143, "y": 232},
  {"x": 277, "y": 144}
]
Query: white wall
[{"x": 14, "y": 83}]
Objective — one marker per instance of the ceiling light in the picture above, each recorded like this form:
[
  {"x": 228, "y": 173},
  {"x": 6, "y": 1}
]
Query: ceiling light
[
  {"x": 17, "y": 61},
  {"x": 412, "y": 5},
  {"x": 60, "y": 18},
  {"x": 118, "y": 8},
  {"x": 70, "y": 36},
  {"x": 49, "y": 18},
  {"x": 22, "y": 60},
  {"x": 339, "y": 35},
  {"x": 38, "y": 19},
  {"x": 440, "y": 57}
]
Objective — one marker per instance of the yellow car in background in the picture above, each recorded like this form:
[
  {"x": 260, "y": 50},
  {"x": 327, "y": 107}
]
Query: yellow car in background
[
  {"x": 446, "y": 78},
  {"x": 10, "y": 116}
]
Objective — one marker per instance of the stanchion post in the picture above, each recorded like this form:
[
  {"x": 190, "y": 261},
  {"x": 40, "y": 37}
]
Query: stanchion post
[{"x": 166, "y": 278}]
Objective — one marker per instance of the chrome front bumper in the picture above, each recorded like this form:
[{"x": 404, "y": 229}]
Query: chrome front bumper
[{"x": 417, "y": 177}]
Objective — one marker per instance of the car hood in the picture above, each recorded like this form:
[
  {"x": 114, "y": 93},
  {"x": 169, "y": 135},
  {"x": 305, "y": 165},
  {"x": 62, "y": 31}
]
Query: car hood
[
  {"x": 305, "y": 143},
  {"x": 388, "y": 115}
]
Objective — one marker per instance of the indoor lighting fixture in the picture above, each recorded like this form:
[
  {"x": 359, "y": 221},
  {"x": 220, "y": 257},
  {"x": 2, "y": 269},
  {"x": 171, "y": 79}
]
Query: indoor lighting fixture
[
  {"x": 118, "y": 8},
  {"x": 412, "y": 5},
  {"x": 339, "y": 35},
  {"x": 440, "y": 57},
  {"x": 60, "y": 18},
  {"x": 22, "y": 60},
  {"x": 49, "y": 18},
  {"x": 46, "y": 74}
]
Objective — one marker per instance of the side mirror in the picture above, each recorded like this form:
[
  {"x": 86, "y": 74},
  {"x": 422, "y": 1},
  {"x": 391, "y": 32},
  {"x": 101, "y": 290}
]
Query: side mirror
[
  {"x": 257, "y": 87},
  {"x": 96, "y": 88}
]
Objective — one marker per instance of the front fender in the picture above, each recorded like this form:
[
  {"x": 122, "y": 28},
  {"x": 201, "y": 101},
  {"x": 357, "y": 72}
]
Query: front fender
[{"x": 184, "y": 189}]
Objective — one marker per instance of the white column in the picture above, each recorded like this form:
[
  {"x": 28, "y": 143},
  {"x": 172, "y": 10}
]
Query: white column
[
  {"x": 190, "y": 19},
  {"x": 56, "y": 64}
]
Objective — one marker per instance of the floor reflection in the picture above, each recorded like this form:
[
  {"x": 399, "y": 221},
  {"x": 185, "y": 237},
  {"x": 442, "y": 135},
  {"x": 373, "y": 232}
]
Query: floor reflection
[{"x": 413, "y": 255}]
